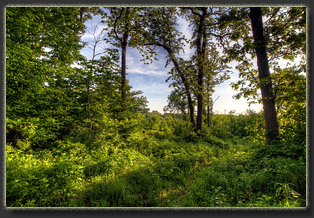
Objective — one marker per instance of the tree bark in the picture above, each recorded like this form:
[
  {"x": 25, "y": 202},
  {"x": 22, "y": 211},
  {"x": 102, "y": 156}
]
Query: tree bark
[
  {"x": 124, "y": 45},
  {"x": 270, "y": 115},
  {"x": 201, "y": 49},
  {"x": 123, "y": 69}
]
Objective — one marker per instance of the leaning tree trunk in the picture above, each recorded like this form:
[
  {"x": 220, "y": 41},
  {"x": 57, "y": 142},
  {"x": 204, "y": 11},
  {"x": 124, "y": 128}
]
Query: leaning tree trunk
[
  {"x": 270, "y": 115},
  {"x": 185, "y": 82},
  {"x": 187, "y": 91}
]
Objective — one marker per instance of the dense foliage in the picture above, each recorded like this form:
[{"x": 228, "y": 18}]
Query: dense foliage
[
  {"x": 156, "y": 161},
  {"x": 77, "y": 136}
]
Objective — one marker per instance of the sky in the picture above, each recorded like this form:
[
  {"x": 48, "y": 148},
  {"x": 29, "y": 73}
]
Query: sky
[{"x": 151, "y": 79}]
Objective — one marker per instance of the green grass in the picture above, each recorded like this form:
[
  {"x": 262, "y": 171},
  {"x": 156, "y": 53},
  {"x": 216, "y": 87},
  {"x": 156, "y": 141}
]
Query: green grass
[{"x": 157, "y": 169}]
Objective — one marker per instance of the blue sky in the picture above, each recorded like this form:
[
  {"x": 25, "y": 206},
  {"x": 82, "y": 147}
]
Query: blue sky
[{"x": 151, "y": 79}]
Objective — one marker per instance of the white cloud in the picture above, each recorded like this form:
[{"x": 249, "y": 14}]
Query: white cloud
[
  {"x": 135, "y": 65},
  {"x": 87, "y": 37},
  {"x": 139, "y": 70},
  {"x": 154, "y": 88},
  {"x": 184, "y": 27}
]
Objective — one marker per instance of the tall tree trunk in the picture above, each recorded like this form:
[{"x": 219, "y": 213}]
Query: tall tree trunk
[
  {"x": 201, "y": 51},
  {"x": 123, "y": 69},
  {"x": 199, "y": 106},
  {"x": 270, "y": 115},
  {"x": 124, "y": 45},
  {"x": 208, "y": 115}
]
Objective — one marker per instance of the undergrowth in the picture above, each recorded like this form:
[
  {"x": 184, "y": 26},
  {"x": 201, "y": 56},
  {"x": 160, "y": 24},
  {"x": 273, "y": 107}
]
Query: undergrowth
[{"x": 159, "y": 166}]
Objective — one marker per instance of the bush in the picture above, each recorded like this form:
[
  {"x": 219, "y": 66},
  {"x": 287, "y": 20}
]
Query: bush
[
  {"x": 152, "y": 167},
  {"x": 31, "y": 133},
  {"x": 41, "y": 180}
]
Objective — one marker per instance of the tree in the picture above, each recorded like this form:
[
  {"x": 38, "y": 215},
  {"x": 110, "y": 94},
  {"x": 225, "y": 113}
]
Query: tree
[
  {"x": 217, "y": 72},
  {"x": 210, "y": 107},
  {"x": 125, "y": 29},
  {"x": 207, "y": 61},
  {"x": 283, "y": 38},
  {"x": 41, "y": 43},
  {"x": 162, "y": 32},
  {"x": 137, "y": 104},
  {"x": 290, "y": 94},
  {"x": 201, "y": 56},
  {"x": 94, "y": 63},
  {"x": 270, "y": 115},
  {"x": 177, "y": 102}
]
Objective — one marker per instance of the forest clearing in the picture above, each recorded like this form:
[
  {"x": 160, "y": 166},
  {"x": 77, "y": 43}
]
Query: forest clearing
[{"x": 79, "y": 135}]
